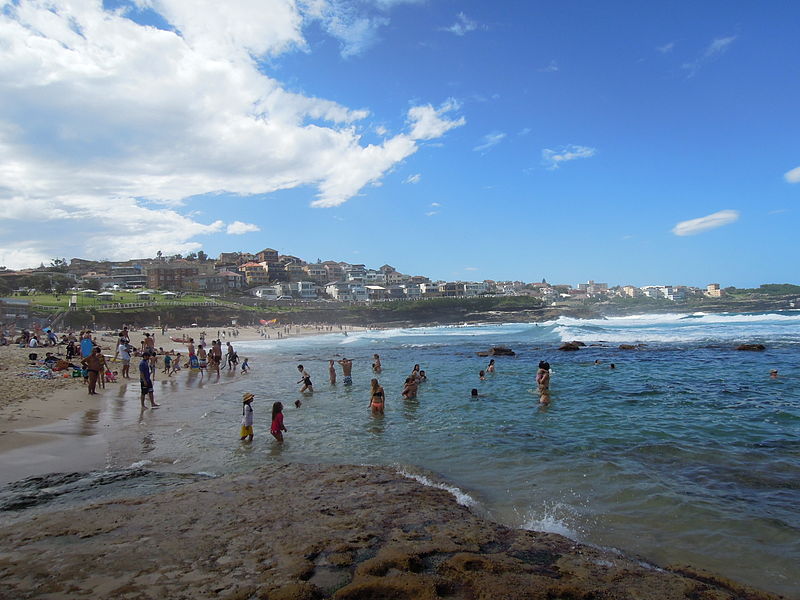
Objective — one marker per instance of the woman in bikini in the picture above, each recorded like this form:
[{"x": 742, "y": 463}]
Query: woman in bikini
[{"x": 376, "y": 401}]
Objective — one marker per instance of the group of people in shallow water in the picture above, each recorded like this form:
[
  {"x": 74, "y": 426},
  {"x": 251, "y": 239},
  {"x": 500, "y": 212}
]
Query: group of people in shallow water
[{"x": 377, "y": 395}]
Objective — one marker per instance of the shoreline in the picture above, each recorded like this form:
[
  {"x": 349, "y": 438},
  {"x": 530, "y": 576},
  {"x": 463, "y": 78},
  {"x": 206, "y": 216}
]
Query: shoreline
[
  {"x": 28, "y": 403},
  {"x": 297, "y": 531}
]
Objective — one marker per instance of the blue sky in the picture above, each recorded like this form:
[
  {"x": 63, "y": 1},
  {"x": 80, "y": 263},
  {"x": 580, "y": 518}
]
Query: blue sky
[{"x": 630, "y": 143}]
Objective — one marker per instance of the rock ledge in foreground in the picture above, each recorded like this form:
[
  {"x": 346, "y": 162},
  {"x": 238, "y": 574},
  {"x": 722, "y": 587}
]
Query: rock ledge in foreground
[{"x": 288, "y": 531}]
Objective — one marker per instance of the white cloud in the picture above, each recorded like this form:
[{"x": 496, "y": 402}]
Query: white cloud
[
  {"x": 792, "y": 176},
  {"x": 355, "y": 24},
  {"x": 239, "y": 228},
  {"x": 552, "y": 67},
  {"x": 524, "y": 131},
  {"x": 434, "y": 204},
  {"x": 701, "y": 224},
  {"x": 415, "y": 178},
  {"x": 666, "y": 48},
  {"x": 430, "y": 213},
  {"x": 490, "y": 140},
  {"x": 470, "y": 268},
  {"x": 427, "y": 122},
  {"x": 715, "y": 49},
  {"x": 554, "y": 158},
  {"x": 109, "y": 126},
  {"x": 462, "y": 26}
]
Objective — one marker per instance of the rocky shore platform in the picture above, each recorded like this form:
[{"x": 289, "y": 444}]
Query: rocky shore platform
[{"x": 292, "y": 531}]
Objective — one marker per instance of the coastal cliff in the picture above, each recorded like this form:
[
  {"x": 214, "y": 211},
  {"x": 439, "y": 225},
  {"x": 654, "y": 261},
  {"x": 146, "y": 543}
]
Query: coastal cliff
[{"x": 290, "y": 531}]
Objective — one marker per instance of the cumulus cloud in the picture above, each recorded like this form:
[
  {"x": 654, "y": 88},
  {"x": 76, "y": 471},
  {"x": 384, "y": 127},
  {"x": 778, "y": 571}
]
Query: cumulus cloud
[
  {"x": 701, "y": 224},
  {"x": 792, "y": 176},
  {"x": 490, "y": 140},
  {"x": 428, "y": 122},
  {"x": 713, "y": 51},
  {"x": 415, "y": 178},
  {"x": 554, "y": 158},
  {"x": 239, "y": 228},
  {"x": 462, "y": 26},
  {"x": 108, "y": 126}
]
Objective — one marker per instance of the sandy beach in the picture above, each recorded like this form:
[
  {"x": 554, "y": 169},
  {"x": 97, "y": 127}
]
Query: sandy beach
[
  {"x": 290, "y": 531},
  {"x": 27, "y": 400}
]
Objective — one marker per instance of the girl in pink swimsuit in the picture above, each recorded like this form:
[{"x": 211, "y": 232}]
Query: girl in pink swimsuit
[{"x": 277, "y": 422}]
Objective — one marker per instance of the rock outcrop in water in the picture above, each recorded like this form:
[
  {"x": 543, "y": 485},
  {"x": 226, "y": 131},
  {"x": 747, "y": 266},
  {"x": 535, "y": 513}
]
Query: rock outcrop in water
[
  {"x": 571, "y": 346},
  {"x": 287, "y": 531},
  {"x": 497, "y": 351},
  {"x": 752, "y": 347}
]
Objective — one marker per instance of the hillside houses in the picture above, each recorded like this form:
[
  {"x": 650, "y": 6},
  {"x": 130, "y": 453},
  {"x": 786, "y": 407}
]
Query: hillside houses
[{"x": 270, "y": 275}]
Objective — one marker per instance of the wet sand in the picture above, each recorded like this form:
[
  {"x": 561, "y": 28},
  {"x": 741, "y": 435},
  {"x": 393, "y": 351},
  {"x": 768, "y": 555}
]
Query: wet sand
[
  {"x": 290, "y": 531},
  {"x": 32, "y": 403}
]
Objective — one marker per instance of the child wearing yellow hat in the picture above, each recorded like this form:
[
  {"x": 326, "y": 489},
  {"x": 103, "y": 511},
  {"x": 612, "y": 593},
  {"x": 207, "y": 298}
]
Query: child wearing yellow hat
[{"x": 247, "y": 417}]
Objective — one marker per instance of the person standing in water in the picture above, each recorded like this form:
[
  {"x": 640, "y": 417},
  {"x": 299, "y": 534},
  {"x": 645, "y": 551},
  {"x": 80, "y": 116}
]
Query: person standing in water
[
  {"x": 305, "y": 379},
  {"x": 277, "y": 422},
  {"x": 543, "y": 382},
  {"x": 332, "y": 372},
  {"x": 377, "y": 398},
  {"x": 490, "y": 366},
  {"x": 247, "y": 418},
  {"x": 376, "y": 363},
  {"x": 347, "y": 370}
]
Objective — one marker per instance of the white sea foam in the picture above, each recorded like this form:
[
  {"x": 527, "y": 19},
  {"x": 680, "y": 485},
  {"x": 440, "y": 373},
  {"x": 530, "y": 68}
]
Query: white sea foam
[
  {"x": 552, "y": 521},
  {"x": 141, "y": 464},
  {"x": 461, "y": 496},
  {"x": 681, "y": 328}
]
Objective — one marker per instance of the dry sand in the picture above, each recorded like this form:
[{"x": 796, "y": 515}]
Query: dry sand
[{"x": 288, "y": 531}]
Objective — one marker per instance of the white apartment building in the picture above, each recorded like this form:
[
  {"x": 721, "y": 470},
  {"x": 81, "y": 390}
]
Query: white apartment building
[{"x": 474, "y": 288}]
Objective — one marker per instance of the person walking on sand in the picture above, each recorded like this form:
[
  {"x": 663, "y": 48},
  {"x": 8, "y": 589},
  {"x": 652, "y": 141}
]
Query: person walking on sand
[
  {"x": 377, "y": 398},
  {"x": 305, "y": 379},
  {"x": 277, "y": 422},
  {"x": 332, "y": 372},
  {"x": 92, "y": 364},
  {"x": 247, "y": 417},
  {"x": 145, "y": 381},
  {"x": 347, "y": 369},
  {"x": 176, "y": 364},
  {"x": 124, "y": 353},
  {"x": 202, "y": 359}
]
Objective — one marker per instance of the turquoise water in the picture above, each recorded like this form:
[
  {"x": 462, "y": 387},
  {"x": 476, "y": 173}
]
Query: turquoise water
[{"x": 686, "y": 453}]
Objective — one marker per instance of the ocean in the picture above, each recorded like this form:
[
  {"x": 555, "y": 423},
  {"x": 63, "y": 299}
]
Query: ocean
[{"x": 686, "y": 453}]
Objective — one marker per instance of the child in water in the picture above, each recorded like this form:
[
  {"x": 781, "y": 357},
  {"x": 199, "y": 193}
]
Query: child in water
[
  {"x": 245, "y": 366},
  {"x": 277, "y": 422},
  {"x": 247, "y": 417}
]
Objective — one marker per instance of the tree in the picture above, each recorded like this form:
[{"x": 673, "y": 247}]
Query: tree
[
  {"x": 60, "y": 285},
  {"x": 159, "y": 254},
  {"x": 202, "y": 256},
  {"x": 92, "y": 284},
  {"x": 191, "y": 256},
  {"x": 59, "y": 265}
]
